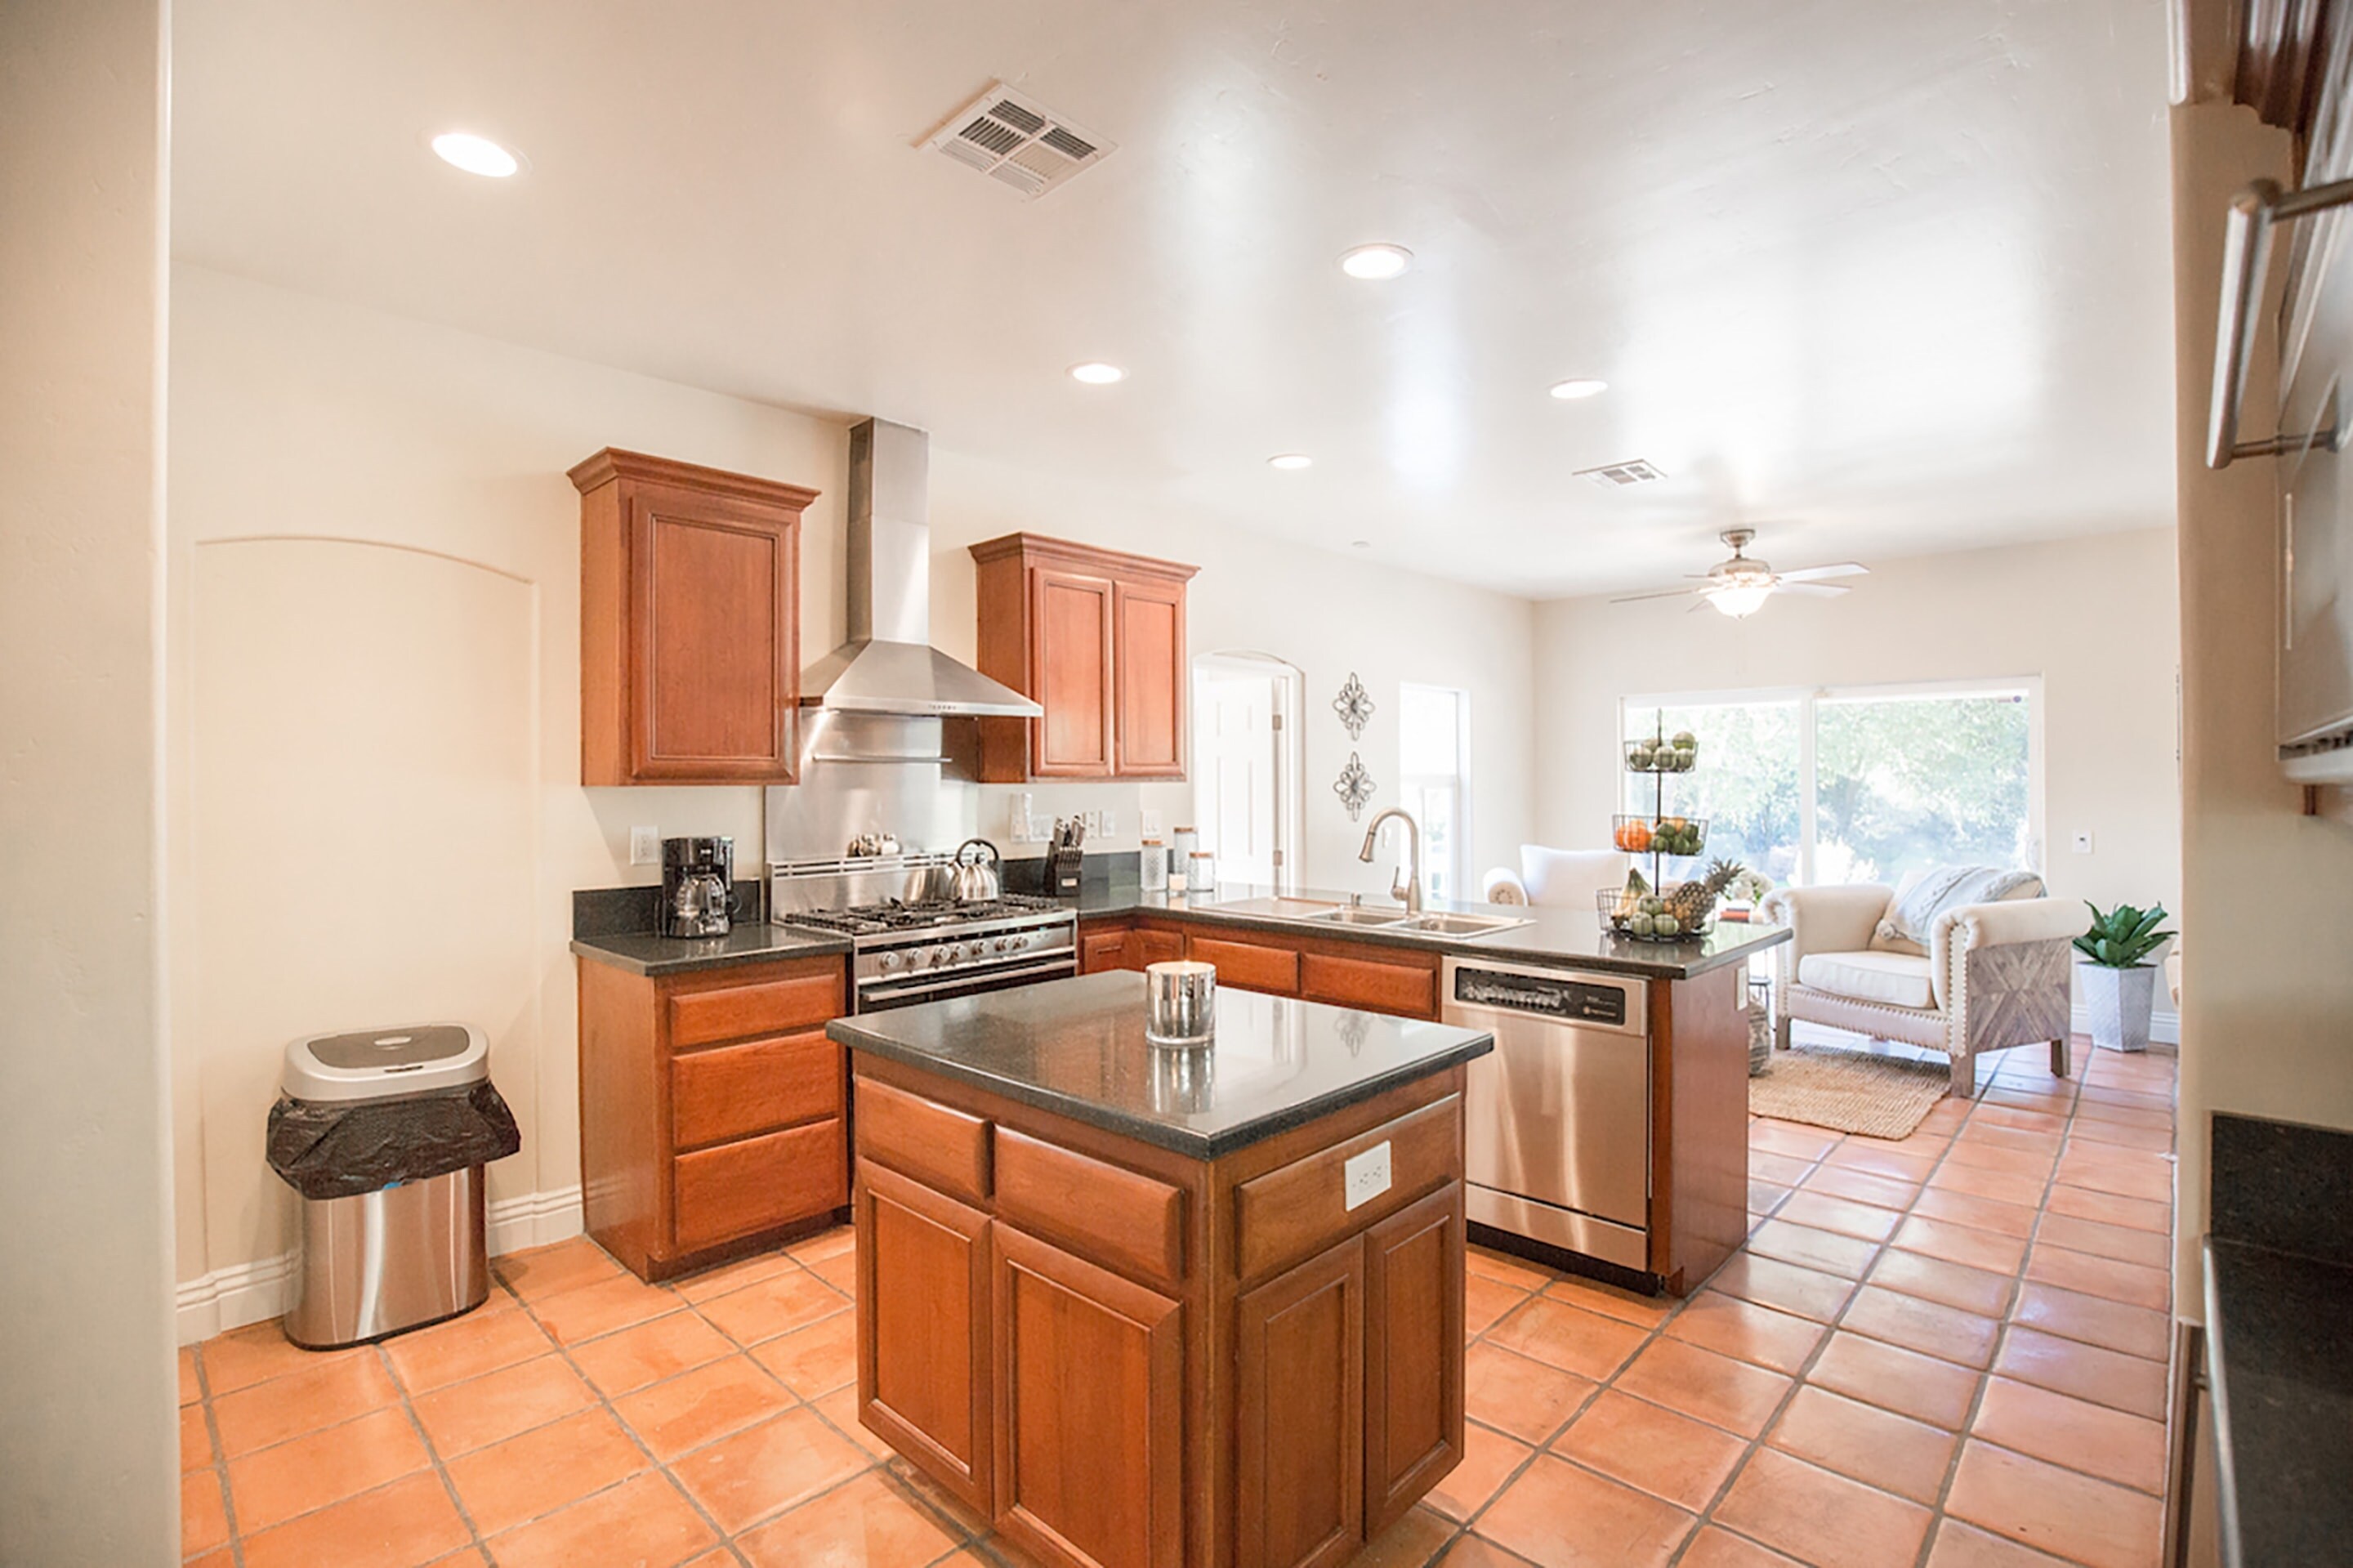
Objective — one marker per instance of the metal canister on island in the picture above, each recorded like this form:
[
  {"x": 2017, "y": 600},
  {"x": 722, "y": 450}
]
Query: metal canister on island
[{"x": 1180, "y": 1003}]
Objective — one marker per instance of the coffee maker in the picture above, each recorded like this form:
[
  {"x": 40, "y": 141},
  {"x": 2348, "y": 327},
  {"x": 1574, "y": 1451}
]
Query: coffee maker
[{"x": 698, "y": 886}]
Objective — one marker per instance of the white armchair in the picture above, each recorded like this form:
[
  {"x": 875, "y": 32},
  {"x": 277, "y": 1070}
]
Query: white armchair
[
  {"x": 1565, "y": 878},
  {"x": 1995, "y": 975}
]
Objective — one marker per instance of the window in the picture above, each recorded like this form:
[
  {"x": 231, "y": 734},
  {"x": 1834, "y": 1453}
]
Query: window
[
  {"x": 1860, "y": 784},
  {"x": 1433, "y": 769}
]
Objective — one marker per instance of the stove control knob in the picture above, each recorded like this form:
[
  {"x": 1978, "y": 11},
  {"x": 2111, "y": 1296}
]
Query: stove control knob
[
  {"x": 1004, "y": 944},
  {"x": 955, "y": 954},
  {"x": 889, "y": 961}
]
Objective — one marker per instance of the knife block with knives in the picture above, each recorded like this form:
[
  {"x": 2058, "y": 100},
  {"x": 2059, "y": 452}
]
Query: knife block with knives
[{"x": 1064, "y": 857}]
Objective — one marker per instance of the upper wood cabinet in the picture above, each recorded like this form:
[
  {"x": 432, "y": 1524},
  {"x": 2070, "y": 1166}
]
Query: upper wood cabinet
[
  {"x": 689, "y": 623},
  {"x": 1097, "y": 638}
]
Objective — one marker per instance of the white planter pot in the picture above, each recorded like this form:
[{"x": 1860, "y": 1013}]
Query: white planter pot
[{"x": 2120, "y": 1000}]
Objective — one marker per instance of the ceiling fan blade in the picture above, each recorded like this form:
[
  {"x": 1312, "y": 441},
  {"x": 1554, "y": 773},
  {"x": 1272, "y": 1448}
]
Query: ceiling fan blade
[
  {"x": 1663, "y": 593},
  {"x": 1815, "y": 574},
  {"x": 1811, "y": 590}
]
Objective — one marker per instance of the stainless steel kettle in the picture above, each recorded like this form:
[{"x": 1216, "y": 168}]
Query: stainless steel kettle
[{"x": 975, "y": 880}]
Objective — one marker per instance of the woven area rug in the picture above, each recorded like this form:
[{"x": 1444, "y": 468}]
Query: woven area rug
[{"x": 1848, "y": 1091}]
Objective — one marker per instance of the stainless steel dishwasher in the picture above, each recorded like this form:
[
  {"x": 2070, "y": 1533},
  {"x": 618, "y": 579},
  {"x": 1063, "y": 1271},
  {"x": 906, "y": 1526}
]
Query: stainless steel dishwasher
[{"x": 1557, "y": 1120}]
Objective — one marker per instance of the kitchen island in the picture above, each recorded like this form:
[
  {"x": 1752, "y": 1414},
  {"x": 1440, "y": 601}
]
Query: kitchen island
[{"x": 1150, "y": 1307}]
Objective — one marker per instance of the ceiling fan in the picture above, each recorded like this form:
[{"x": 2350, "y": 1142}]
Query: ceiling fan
[{"x": 1740, "y": 586}]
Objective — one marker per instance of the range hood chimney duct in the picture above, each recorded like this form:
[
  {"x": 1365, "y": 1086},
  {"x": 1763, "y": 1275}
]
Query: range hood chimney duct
[{"x": 887, "y": 666}]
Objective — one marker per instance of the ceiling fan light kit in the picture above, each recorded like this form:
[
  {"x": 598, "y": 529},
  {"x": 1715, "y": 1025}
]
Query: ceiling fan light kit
[{"x": 1739, "y": 586}]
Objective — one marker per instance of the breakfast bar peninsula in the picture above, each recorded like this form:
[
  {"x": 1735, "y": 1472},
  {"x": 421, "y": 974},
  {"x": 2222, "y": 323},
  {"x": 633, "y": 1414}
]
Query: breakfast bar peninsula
[{"x": 1147, "y": 1308}]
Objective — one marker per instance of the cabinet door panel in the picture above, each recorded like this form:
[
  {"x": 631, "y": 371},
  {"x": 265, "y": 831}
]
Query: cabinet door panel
[
  {"x": 737, "y": 1090},
  {"x": 1413, "y": 1356},
  {"x": 1089, "y": 1417},
  {"x": 739, "y": 1189},
  {"x": 1101, "y": 950},
  {"x": 1149, "y": 660},
  {"x": 1146, "y": 946},
  {"x": 715, "y": 661},
  {"x": 924, "y": 1330},
  {"x": 1299, "y": 1405},
  {"x": 1251, "y": 966},
  {"x": 1070, "y": 625},
  {"x": 1381, "y": 987}
]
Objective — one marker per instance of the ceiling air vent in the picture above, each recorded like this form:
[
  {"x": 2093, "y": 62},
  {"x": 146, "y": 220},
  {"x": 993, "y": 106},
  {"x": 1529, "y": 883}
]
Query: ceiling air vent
[
  {"x": 1018, "y": 141},
  {"x": 1617, "y": 475}
]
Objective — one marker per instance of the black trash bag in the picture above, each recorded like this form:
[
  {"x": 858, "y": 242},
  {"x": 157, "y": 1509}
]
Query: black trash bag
[{"x": 341, "y": 1149}]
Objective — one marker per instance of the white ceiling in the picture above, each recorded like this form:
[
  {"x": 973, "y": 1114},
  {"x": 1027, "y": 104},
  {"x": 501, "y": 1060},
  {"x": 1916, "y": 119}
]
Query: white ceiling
[{"x": 1881, "y": 278}]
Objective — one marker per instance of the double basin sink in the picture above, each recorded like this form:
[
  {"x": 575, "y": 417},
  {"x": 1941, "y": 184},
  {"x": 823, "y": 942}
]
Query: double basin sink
[{"x": 1355, "y": 917}]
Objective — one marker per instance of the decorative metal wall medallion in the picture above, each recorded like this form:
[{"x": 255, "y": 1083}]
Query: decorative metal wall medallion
[
  {"x": 1355, "y": 706},
  {"x": 1354, "y": 787}
]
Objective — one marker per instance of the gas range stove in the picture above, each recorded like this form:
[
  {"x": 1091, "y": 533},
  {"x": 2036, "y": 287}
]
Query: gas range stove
[{"x": 909, "y": 943}]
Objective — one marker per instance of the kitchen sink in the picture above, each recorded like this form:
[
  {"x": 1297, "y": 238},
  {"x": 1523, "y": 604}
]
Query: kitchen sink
[
  {"x": 1462, "y": 925},
  {"x": 1280, "y": 909},
  {"x": 1357, "y": 917}
]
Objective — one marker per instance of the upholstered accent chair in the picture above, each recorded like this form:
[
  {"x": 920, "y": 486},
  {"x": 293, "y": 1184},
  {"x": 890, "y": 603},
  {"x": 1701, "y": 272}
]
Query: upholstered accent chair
[
  {"x": 1992, "y": 976},
  {"x": 1559, "y": 878}
]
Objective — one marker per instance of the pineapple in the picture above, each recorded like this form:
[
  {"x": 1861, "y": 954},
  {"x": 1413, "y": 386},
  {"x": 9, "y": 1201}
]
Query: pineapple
[{"x": 1693, "y": 902}]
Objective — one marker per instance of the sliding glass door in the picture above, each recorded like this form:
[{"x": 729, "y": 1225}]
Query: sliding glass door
[{"x": 1856, "y": 784}]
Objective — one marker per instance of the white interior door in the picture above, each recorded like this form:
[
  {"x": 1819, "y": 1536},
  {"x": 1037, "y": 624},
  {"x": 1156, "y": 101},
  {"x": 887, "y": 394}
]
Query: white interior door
[{"x": 1237, "y": 769}]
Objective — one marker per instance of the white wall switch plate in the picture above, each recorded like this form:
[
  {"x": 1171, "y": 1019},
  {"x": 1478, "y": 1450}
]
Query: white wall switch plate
[
  {"x": 645, "y": 846},
  {"x": 1110, "y": 824},
  {"x": 1366, "y": 1177},
  {"x": 2082, "y": 844},
  {"x": 1151, "y": 824}
]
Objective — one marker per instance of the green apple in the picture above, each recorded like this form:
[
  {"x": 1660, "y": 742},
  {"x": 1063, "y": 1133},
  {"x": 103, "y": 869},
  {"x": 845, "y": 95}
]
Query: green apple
[
  {"x": 1667, "y": 926},
  {"x": 1685, "y": 741},
  {"x": 1639, "y": 925}
]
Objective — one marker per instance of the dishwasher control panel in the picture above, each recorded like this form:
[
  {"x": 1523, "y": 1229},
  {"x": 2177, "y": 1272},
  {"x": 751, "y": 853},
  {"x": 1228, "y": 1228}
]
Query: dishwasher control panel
[{"x": 1546, "y": 996}]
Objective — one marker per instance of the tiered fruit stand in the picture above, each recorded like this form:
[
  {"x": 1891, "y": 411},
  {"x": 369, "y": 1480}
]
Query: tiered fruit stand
[{"x": 1659, "y": 836}]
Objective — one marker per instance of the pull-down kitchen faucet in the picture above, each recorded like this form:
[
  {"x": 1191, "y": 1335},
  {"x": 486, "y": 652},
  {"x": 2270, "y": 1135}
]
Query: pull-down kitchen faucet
[{"x": 1407, "y": 883}]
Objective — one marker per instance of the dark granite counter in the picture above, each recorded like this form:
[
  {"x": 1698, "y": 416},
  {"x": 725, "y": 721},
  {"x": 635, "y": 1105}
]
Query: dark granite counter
[
  {"x": 643, "y": 953},
  {"x": 2279, "y": 1338},
  {"x": 1076, "y": 1048},
  {"x": 1569, "y": 938}
]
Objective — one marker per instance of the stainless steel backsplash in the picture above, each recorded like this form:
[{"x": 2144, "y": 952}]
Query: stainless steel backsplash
[{"x": 865, "y": 773}]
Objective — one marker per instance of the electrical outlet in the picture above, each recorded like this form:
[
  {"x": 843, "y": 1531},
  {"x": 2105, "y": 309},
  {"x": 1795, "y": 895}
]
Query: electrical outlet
[
  {"x": 1093, "y": 820},
  {"x": 1151, "y": 824},
  {"x": 1110, "y": 824},
  {"x": 1366, "y": 1177},
  {"x": 645, "y": 846},
  {"x": 2082, "y": 844}
]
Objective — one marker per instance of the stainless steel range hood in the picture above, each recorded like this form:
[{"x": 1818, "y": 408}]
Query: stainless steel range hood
[{"x": 887, "y": 666}]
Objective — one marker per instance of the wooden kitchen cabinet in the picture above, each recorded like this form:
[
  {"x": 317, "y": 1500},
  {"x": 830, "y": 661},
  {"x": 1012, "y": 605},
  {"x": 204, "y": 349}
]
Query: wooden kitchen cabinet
[
  {"x": 1125, "y": 944},
  {"x": 713, "y": 1110},
  {"x": 1095, "y": 637},
  {"x": 689, "y": 618},
  {"x": 1189, "y": 1362}
]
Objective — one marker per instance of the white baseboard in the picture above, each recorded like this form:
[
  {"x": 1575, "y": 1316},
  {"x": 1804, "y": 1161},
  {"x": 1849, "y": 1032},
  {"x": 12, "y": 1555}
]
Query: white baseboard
[
  {"x": 2164, "y": 1028},
  {"x": 243, "y": 1293}
]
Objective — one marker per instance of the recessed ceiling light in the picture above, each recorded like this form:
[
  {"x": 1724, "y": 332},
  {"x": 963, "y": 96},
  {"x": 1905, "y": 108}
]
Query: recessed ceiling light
[
  {"x": 1095, "y": 373},
  {"x": 1291, "y": 460},
  {"x": 1582, "y": 387},
  {"x": 1375, "y": 261},
  {"x": 1360, "y": 544},
  {"x": 476, "y": 154}
]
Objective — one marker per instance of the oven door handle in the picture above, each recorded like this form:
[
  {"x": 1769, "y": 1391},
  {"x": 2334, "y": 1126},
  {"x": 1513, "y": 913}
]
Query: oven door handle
[{"x": 941, "y": 979}]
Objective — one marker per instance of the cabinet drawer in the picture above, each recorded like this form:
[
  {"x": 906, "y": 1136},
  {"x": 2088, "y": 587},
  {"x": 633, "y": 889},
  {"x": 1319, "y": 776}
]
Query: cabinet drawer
[
  {"x": 1408, "y": 989},
  {"x": 1101, "y": 1212},
  {"x": 1101, "y": 950},
  {"x": 1149, "y": 945},
  {"x": 1252, "y": 965},
  {"x": 771, "y": 1007},
  {"x": 1297, "y": 1210},
  {"x": 942, "y": 1148},
  {"x": 738, "y": 1189},
  {"x": 736, "y": 1090}
]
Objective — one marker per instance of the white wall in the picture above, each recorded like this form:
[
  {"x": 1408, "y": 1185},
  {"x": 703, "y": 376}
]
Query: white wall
[
  {"x": 88, "y": 1439},
  {"x": 363, "y": 837},
  {"x": 2266, "y": 990},
  {"x": 2095, "y": 618}
]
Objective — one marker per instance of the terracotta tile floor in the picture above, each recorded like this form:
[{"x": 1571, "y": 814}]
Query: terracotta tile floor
[{"x": 1945, "y": 1352}]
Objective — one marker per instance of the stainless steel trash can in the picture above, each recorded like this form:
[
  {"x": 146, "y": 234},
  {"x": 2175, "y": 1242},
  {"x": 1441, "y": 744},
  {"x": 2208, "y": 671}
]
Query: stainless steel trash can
[{"x": 409, "y": 1114}]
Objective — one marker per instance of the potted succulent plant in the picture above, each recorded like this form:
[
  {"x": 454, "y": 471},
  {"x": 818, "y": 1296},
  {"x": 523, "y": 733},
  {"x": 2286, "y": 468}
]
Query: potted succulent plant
[{"x": 2119, "y": 982}]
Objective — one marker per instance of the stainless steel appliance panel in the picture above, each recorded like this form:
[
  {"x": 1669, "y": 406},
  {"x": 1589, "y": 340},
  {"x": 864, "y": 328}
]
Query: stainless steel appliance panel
[{"x": 1559, "y": 1114}]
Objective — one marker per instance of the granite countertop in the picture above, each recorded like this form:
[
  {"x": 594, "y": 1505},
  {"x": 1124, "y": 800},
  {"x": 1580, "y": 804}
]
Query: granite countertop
[
  {"x": 643, "y": 953},
  {"x": 1076, "y": 1048},
  {"x": 1565, "y": 937},
  {"x": 2280, "y": 1355}
]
